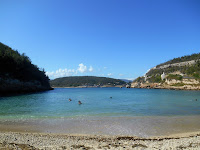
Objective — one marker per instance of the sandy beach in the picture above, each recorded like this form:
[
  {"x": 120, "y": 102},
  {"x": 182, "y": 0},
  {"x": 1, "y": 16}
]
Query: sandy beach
[{"x": 16, "y": 140}]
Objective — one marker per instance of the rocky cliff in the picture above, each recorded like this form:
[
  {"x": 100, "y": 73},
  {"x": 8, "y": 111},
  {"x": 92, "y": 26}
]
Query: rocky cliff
[{"x": 174, "y": 74}]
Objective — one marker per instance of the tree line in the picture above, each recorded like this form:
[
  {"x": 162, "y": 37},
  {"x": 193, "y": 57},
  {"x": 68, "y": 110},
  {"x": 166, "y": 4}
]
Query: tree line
[
  {"x": 19, "y": 66},
  {"x": 75, "y": 81}
]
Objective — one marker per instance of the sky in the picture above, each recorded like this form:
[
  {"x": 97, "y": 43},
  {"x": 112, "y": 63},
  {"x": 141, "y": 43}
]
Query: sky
[{"x": 112, "y": 38}]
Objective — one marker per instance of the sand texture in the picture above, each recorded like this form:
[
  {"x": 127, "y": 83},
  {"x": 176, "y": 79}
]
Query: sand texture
[{"x": 27, "y": 141}]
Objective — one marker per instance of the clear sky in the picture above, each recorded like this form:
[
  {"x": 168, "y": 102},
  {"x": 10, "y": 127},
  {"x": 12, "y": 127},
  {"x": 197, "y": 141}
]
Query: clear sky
[{"x": 115, "y": 38}]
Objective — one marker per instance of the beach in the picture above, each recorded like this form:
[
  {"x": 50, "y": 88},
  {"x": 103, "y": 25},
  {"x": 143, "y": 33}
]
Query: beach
[
  {"x": 16, "y": 140},
  {"x": 101, "y": 134},
  {"x": 132, "y": 119}
]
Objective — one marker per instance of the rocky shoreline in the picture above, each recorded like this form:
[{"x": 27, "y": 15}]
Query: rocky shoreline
[
  {"x": 164, "y": 86},
  {"x": 37, "y": 141},
  {"x": 9, "y": 87}
]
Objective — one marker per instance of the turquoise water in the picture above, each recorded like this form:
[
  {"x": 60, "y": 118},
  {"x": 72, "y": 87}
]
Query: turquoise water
[{"x": 97, "y": 102}]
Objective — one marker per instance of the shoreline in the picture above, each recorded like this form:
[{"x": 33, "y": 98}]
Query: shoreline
[
  {"x": 168, "y": 88},
  {"x": 141, "y": 126},
  {"x": 14, "y": 140},
  {"x": 164, "y": 86},
  {"x": 9, "y": 94},
  {"x": 91, "y": 87}
]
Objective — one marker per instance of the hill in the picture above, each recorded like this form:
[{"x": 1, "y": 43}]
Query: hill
[
  {"x": 181, "y": 59},
  {"x": 18, "y": 74},
  {"x": 179, "y": 73},
  {"x": 93, "y": 81}
]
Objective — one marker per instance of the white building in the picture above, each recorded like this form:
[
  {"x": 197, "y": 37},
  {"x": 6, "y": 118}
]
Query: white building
[{"x": 163, "y": 76}]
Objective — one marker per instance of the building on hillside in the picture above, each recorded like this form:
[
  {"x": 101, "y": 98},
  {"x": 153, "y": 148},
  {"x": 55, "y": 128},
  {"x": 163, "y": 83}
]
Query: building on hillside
[
  {"x": 163, "y": 76},
  {"x": 145, "y": 77}
]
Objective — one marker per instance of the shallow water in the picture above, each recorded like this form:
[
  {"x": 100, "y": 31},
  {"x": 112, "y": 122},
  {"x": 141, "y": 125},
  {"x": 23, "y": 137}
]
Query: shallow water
[
  {"x": 97, "y": 102},
  {"x": 140, "y": 112}
]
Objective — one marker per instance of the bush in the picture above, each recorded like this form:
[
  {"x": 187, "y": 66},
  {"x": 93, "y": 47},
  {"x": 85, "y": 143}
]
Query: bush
[
  {"x": 178, "y": 84},
  {"x": 174, "y": 76},
  {"x": 156, "y": 79}
]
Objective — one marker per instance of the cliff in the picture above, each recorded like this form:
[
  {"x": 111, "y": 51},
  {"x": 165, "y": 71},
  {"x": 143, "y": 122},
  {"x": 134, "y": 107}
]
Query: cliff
[
  {"x": 179, "y": 73},
  {"x": 18, "y": 74}
]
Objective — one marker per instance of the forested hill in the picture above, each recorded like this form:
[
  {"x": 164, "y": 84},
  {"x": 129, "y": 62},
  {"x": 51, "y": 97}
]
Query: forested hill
[
  {"x": 75, "y": 81},
  {"x": 18, "y": 74}
]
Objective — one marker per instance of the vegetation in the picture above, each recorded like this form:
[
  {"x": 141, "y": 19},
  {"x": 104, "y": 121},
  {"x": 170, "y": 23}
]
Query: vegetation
[
  {"x": 155, "y": 79},
  {"x": 192, "y": 71},
  {"x": 174, "y": 76},
  {"x": 18, "y": 68},
  {"x": 139, "y": 79},
  {"x": 183, "y": 73},
  {"x": 75, "y": 81},
  {"x": 178, "y": 84},
  {"x": 182, "y": 59}
]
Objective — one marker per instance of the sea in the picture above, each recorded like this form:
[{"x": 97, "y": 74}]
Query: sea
[{"x": 104, "y": 111}]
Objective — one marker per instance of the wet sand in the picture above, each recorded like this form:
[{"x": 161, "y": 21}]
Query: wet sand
[{"x": 112, "y": 126}]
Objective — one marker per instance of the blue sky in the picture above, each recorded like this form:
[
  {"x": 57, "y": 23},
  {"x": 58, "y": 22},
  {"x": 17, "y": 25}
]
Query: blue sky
[{"x": 113, "y": 38}]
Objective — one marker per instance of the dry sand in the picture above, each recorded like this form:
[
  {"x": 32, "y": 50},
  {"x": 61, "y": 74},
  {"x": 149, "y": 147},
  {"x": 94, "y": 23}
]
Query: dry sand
[{"x": 16, "y": 140}]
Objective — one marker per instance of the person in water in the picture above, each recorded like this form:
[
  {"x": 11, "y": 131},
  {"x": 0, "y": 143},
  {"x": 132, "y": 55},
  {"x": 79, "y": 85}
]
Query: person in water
[
  {"x": 79, "y": 102},
  {"x": 70, "y": 99}
]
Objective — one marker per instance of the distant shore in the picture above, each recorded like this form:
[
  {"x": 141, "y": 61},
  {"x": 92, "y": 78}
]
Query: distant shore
[
  {"x": 119, "y": 86},
  {"x": 16, "y": 140},
  {"x": 143, "y": 87}
]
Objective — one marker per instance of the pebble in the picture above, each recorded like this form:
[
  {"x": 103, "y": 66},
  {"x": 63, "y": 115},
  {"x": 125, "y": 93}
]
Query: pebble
[{"x": 51, "y": 141}]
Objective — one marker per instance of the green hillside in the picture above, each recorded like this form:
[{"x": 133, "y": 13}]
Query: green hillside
[
  {"x": 181, "y": 59},
  {"x": 75, "y": 81},
  {"x": 192, "y": 71},
  {"x": 18, "y": 74}
]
